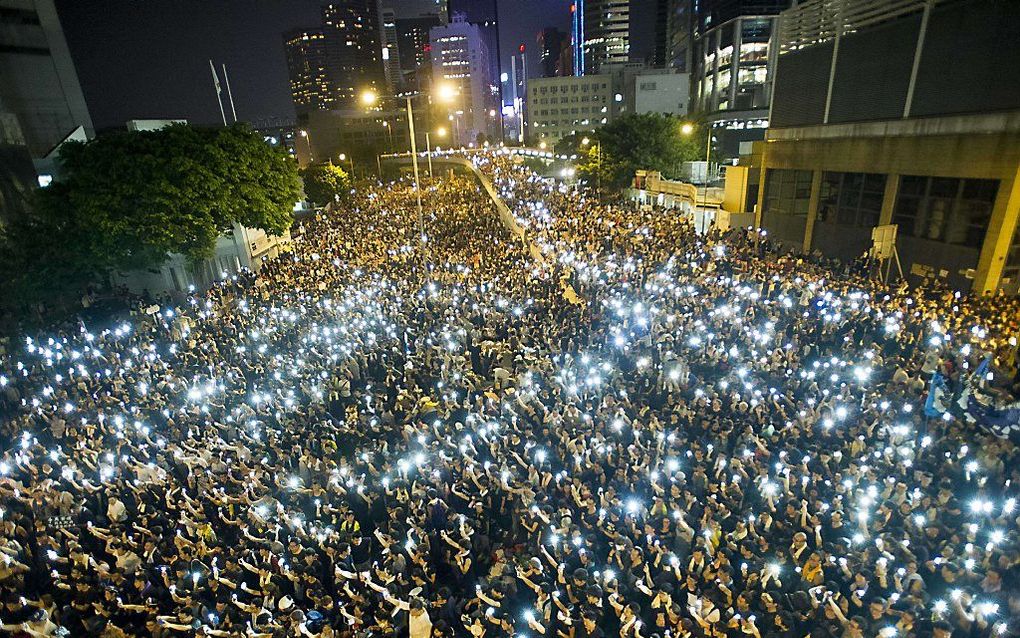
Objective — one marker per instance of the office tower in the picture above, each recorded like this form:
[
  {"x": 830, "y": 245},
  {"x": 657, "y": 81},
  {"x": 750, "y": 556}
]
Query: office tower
[
  {"x": 413, "y": 42},
  {"x": 353, "y": 33},
  {"x": 604, "y": 27},
  {"x": 461, "y": 60},
  {"x": 660, "y": 44},
  {"x": 38, "y": 82},
  {"x": 311, "y": 83},
  {"x": 679, "y": 34},
  {"x": 485, "y": 14},
  {"x": 734, "y": 57},
  {"x": 391, "y": 50},
  {"x": 555, "y": 51},
  {"x": 929, "y": 142}
]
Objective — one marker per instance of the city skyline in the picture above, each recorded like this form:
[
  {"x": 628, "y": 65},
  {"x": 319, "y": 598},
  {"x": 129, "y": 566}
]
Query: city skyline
[{"x": 152, "y": 61}]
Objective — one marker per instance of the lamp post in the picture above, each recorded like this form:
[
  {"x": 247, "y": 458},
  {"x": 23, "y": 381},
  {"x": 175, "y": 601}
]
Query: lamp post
[
  {"x": 708, "y": 155},
  {"x": 441, "y": 132},
  {"x": 343, "y": 157},
  {"x": 444, "y": 93},
  {"x": 598, "y": 174},
  {"x": 308, "y": 141}
]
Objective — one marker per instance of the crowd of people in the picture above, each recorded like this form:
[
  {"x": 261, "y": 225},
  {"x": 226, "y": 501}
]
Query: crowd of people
[{"x": 428, "y": 428}]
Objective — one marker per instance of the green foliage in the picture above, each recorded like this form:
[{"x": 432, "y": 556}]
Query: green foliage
[
  {"x": 325, "y": 182},
  {"x": 647, "y": 141},
  {"x": 126, "y": 200}
]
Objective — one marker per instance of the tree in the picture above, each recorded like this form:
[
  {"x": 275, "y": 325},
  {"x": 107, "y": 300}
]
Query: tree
[
  {"x": 324, "y": 183},
  {"x": 636, "y": 141},
  {"x": 127, "y": 200}
]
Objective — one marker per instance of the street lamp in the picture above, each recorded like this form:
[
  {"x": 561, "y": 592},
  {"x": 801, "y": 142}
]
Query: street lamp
[
  {"x": 687, "y": 128},
  {"x": 444, "y": 92},
  {"x": 343, "y": 158},
  {"x": 441, "y": 132},
  {"x": 598, "y": 175},
  {"x": 308, "y": 141}
]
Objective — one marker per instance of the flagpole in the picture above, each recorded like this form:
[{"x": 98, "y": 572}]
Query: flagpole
[
  {"x": 216, "y": 85},
  {"x": 230, "y": 94}
]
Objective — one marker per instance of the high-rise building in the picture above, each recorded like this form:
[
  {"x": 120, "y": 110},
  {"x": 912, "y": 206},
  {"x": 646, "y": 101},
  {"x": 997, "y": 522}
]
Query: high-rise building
[
  {"x": 413, "y": 41},
  {"x": 734, "y": 57},
  {"x": 562, "y": 106},
  {"x": 461, "y": 60},
  {"x": 391, "y": 50},
  {"x": 485, "y": 14},
  {"x": 555, "y": 53},
  {"x": 660, "y": 44},
  {"x": 38, "y": 82},
  {"x": 603, "y": 27},
  {"x": 353, "y": 31},
  {"x": 679, "y": 34},
  {"x": 930, "y": 142},
  {"x": 311, "y": 80}
]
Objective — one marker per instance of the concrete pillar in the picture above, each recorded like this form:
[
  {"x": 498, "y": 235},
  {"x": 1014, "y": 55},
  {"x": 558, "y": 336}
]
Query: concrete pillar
[
  {"x": 761, "y": 183},
  {"x": 999, "y": 237},
  {"x": 812, "y": 208},
  {"x": 892, "y": 187}
]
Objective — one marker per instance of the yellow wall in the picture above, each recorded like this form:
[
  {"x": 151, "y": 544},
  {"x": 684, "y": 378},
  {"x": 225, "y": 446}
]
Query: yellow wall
[
  {"x": 736, "y": 189},
  {"x": 975, "y": 156}
]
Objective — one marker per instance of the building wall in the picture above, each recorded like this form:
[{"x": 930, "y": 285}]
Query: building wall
[
  {"x": 558, "y": 107},
  {"x": 606, "y": 33},
  {"x": 952, "y": 185},
  {"x": 240, "y": 248},
  {"x": 667, "y": 93},
  {"x": 460, "y": 58},
  {"x": 353, "y": 30},
  {"x": 962, "y": 65},
  {"x": 355, "y": 133},
  {"x": 38, "y": 81},
  {"x": 311, "y": 83}
]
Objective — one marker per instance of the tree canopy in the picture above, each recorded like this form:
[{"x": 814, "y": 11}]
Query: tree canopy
[
  {"x": 647, "y": 141},
  {"x": 325, "y": 182},
  {"x": 127, "y": 200}
]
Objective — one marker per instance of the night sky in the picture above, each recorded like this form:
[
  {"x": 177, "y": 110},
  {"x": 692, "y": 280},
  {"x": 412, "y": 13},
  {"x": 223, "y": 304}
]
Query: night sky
[{"x": 139, "y": 59}]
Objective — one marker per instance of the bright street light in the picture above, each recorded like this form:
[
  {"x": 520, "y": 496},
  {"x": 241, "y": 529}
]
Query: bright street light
[
  {"x": 687, "y": 128},
  {"x": 445, "y": 92},
  {"x": 441, "y": 131},
  {"x": 369, "y": 97},
  {"x": 585, "y": 142}
]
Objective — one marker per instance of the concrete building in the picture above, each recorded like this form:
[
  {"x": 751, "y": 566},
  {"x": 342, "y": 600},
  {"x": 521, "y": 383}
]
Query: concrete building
[
  {"x": 391, "y": 51},
  {"x": 679, "y": 34},
  {"x": 240, "y": 248},
  {"x": 356, "y": 133},
  {"x": 733, "y": 66},
  {"x": 17, "y": 174},
  {"x": 604, "y": 29},
  {"x": 662, "y": 92},
  {"x": 311, "y": 81},
  {"x": 485, "y": 14},
  {"x": 38, "y": 82},
  {"x": 901, "y": 113},
  {"x": 415, "y": 46},
  {"x": 558, "y": 107},
  {"x": 353, "y": 30},
  {"x": 554, "y": 47},
  {"x": 460, "y": 59}
]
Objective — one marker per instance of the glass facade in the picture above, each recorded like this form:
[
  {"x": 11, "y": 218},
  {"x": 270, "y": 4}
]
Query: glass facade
[
  {"x": 787, "y": 192},
  {"x": 851, "y": 199},
  {"x": 945, "y": 209}
]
